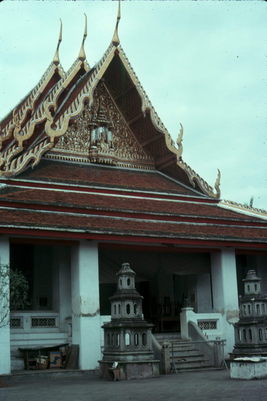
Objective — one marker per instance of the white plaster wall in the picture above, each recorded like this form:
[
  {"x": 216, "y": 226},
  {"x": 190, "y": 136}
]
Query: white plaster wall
[
  {"x": 5, "y": 330},
  {"x": 86, "y": 322},
  {"x": 225, "y": 294}
]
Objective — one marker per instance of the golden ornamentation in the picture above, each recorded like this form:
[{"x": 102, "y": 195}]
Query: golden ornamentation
[
  {"x": 244, "y": 208},
  {"x": 147, "y": 107},
  {"x": 179, "y": 141},
  {"x": 34, "y": 154},
  {"x": 55, "y": 129},
  {"x": 56, "y": 56},
  {"x": 217, "y": 184},
  {"x": 101, "y": 134},
  {"x": 82, "y": 55},
  {"x": 115, "y": 38}
]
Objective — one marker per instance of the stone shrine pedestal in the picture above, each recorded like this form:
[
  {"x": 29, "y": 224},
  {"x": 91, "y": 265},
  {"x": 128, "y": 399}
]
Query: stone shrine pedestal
[{"x": 127, "y": 338}]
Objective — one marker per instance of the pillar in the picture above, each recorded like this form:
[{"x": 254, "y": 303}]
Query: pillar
[
  {"x": 62, "y": 286},
  {"x": 225, "y": 292},
  {"x": 187, "y": 314},
  {"x": 86, "y": 323},
  {"x": 5, "y": 366}
]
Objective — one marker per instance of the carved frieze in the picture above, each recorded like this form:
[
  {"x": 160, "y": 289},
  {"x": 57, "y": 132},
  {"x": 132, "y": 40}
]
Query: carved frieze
[{"x": 101, "y": 135}]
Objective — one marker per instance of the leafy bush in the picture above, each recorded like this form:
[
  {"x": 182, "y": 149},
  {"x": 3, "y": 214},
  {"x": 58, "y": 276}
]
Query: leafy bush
[
  {"x": 19, "y": 289},
  {"x": 4, "y": 295}
]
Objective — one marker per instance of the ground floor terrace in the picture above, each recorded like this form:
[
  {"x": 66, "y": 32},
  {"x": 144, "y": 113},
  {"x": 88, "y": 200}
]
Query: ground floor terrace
[
  {"x": 70, "y": 283},
  {"x": 187, "y": 386}
]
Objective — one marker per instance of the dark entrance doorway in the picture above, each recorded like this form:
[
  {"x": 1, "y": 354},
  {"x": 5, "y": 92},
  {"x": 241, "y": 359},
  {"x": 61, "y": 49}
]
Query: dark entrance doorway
[{"x": 165, "y": 278}]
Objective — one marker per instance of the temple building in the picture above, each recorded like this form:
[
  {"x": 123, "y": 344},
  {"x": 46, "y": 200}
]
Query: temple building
[{"x": 90, "y": 179}]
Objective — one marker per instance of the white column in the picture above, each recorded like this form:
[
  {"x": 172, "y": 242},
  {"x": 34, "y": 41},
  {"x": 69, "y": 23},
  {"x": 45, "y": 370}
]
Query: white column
[
  {"x": 187, "y": 314},
  {"x": 86, "y": 323},
  {"x": 5, "y": 366},
  {"x": 225, "y": 292},
  {"x": 62, "y": 291}
]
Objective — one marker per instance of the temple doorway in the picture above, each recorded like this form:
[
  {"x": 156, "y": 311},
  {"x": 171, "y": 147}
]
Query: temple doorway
[{"x": 166, "y": 280}]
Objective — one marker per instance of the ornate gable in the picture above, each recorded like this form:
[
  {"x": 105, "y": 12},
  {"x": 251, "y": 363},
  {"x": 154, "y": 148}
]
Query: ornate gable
[
  {"x": 100, "y": 134},
  {"x": 98, "y": 115}
]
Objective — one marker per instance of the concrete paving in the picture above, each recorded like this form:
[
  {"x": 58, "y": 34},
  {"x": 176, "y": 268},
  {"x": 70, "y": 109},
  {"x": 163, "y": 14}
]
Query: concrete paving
[{"x": 189, "y": 386}]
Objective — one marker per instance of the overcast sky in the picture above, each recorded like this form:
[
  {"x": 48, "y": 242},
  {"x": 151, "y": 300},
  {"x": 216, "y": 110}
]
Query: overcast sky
[{"x": 202, "y": 63}]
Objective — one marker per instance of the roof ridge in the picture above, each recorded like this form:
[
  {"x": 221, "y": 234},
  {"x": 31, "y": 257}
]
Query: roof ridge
[
  {"x": 42, "y": 113},
  {"x": 250, "y": 210},
  {"x": 19, "y": 112},
  {"x": 158, "y": 124},
  {"x": 56, "y": 124}
]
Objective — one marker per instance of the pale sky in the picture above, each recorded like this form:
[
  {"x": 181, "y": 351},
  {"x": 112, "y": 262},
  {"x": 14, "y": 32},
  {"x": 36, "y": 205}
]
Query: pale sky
[{"x": 202, "y": 63}]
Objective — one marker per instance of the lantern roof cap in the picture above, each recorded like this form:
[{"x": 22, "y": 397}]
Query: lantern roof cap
[
  {"x": 125, "y": 269},
  {"x": 252, "y": 276}
]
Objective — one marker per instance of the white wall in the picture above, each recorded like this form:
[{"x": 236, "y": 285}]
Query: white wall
[
  {"x": 5, "y": 330},
  {"x": 86, "y": 322},
  {"x": 225, "y": 293}
]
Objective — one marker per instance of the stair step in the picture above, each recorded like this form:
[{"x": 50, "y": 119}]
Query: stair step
[
  {"x": 197, "y": 369},
  {"x": 189, "y": 359},
  {"x": 192, "y": 364},
  {"x": 184, "y": 355},
  {"x": 167, "y": 337},
  {"x": 196, "y": 354},
  {"x": 182, "y": 347}
]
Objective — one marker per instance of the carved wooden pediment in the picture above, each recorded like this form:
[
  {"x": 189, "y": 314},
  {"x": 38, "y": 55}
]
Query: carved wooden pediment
[{"x": 100, "y": 134}]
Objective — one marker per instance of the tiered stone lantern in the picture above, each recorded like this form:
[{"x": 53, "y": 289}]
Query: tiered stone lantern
[
  {"x": 251, "y": 330},
  {"x": 127, "y": 338}
]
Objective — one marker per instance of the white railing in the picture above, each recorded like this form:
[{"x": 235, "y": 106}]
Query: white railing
[
  {"x": 211, "y": 324},
  {"x": 32, "y": 321}
]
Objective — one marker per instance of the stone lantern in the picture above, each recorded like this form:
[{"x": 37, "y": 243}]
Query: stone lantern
[
  {"x": 251, "y": 330},
  {"x": 127, "y": 338}
]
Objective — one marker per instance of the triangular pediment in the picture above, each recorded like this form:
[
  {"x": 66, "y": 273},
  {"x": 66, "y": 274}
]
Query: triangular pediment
[
  {"x": 98, "y": 115},
  {"x": 100, "y": 134}
]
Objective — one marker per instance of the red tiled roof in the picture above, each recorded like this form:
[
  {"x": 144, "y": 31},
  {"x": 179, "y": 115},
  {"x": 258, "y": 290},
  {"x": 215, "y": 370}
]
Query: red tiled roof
[
  {"x": 94, "y": 200},
  {"x": 130, "y": 227},
  {"x": 105, "y": 176},
  {"x": 73, "y": 200}
]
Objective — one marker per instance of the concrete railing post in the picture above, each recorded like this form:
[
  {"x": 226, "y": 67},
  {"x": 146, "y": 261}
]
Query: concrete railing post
[{"x": 166, "y": 358}]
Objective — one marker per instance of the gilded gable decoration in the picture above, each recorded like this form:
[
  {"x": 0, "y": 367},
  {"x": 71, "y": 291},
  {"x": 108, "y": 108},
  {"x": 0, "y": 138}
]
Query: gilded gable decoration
[
  {"x": 101, "y": 135},
  {"x": 115, "y": 39},
  {"x": 68, "y": 122},
  {"x": 218, "y": 184},
  {"x": 179, "y": 141},
  {"x": 56, "y": 56},
  {"x": 82, "y": 55}
]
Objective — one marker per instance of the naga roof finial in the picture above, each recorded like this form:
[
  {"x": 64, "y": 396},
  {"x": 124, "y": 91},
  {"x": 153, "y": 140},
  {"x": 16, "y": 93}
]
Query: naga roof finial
[
  {"x": 217, "y": 184},
  {"x": 180, "y": 140},
  {"x": 82, "y": 55},
  {"x": 116, "y": 39},
  {"x": 56, "y": 56}
]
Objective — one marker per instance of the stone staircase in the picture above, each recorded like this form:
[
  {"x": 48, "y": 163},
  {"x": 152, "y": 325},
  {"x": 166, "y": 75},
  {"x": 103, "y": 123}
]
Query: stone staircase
[{"x": 184, "y": 355}]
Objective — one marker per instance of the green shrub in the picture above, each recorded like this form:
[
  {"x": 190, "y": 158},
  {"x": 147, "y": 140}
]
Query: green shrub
[{"x": 19, "y": 290}]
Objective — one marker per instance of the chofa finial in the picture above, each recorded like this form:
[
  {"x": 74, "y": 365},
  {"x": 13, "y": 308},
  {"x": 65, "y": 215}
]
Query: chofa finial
[
  {"x": 56, "y": 56},
  {"x": 116, "y": 39},
  {"x": 82, "y": 55},
  {"x": 217, "y": 184},
  {"x": 180, "y": 140}
]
